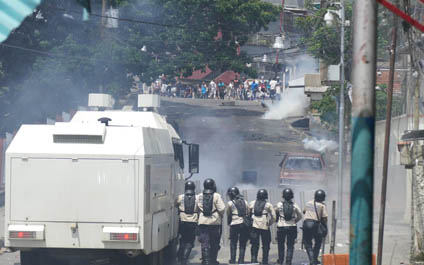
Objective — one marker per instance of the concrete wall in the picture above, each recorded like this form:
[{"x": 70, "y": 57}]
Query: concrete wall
[{"x": 398, "y": 190}]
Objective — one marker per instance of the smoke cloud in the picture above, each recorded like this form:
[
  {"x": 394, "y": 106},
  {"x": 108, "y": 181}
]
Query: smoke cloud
[
  {"x": 293, "y": 103},
  {"x": 319, "y": 145}
]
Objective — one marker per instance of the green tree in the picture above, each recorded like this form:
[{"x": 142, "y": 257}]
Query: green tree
[
  {"x": 381, "y": 103},
  {"x": 323, "y": 42},
  {"x": 327, "y": 106}
]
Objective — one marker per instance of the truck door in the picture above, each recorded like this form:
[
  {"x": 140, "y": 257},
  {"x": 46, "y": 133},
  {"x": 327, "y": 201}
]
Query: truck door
[{"x": 73, "y": 190}]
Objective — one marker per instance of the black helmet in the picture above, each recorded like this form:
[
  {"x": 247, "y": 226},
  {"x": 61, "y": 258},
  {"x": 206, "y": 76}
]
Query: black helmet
[
  {"x": 233, "y": 192},
  {"x": 209, "y": 184},
  {"x": 320, "y": 195},
  {"x": 189, "y": 185},
  {"x": 288, "y": 194},
  {"x": 262, "y": 194}
]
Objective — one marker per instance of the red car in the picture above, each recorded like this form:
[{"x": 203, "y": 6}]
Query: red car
[{"x": 302, "y": 169}]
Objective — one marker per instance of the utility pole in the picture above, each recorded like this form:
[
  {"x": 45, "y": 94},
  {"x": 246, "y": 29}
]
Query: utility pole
[
  {"x": 341, "y": 117},
  {"x": 387, "y": 139},
  {"x": 363, "y": 130},
  {"x": 103, "y": 19}
]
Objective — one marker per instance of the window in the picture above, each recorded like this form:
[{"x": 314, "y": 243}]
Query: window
[{"x": 178, "y": 153}]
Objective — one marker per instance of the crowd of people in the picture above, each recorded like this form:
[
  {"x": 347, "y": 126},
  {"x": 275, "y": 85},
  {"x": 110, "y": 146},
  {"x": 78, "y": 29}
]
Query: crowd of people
[
  {"x": 248, "y": 221},
  {"x": 237, "y": 89}
]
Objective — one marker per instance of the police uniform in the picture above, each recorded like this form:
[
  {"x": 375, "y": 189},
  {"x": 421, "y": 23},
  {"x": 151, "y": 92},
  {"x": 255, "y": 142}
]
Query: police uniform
[
  {"x": 287, "y": 229},
  {"x": 310, "y": 228},
  {"x": 188, "y": 224},
  {"x": 239, "y": 232},
  {"x": 210, "y": 228},
  {"x": 262, "y": 220}
]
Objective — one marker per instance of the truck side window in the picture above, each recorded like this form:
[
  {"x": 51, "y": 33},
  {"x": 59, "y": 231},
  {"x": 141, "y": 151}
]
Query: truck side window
[{"x": 178, "y": 154}]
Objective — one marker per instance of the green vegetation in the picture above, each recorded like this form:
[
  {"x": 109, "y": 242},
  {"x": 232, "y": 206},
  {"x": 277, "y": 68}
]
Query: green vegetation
[
  {"x": 380, "y": 103},
  {"x": 327, "y": 106}
]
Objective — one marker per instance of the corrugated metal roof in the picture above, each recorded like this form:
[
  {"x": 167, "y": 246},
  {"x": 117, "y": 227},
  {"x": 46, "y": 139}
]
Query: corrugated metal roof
[{"x": 12, "y": 13}]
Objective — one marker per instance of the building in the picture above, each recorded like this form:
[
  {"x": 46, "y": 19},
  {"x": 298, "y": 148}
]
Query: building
[{"x": 291, "y": 61}]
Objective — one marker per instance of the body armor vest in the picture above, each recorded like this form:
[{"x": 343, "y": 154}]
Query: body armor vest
[
  {"x": 208, "y": 202},
  {"x": 259, "y": 208},
  {"x": 189, "y": 202}
]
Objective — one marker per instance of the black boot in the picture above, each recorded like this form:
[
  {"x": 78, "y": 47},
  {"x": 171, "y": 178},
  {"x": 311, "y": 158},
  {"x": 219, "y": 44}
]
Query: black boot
[
  {"x": 289, "y": 257},
  {"x": 254, "y": 254},
  {"x": 206, "y": 259},
  {"x": 310, "y": 253},
  {"x": 241, "y": 255},
  {"x": 186, "y": 254},
  {"x": 265, "y": 254},
  {"x": 316, "y": 254},
  {"x": 233, "y": 253},
  {"x": 180, "y": 253},
  {"x": 214, "y": 257},
  {"x": 280, "y": 260}
]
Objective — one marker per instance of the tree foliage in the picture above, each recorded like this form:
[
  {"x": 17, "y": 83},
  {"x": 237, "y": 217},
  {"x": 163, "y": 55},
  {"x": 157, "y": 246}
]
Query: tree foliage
[
  {"x": 327, "y": 106},
  {"x": 381, "y": 103},
  {"x": 323, "y": 42}
]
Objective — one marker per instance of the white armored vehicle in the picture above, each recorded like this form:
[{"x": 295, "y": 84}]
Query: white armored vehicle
[{"x": 99, "y": 189}]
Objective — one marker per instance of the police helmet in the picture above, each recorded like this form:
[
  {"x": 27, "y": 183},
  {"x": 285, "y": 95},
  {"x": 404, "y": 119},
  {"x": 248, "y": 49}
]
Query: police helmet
[
  {"x": 320, "y": 195},
  {"x": 262, "y": 194},
  {"x": 288, "y": 194},
  {"x": 233, "y": 192},
  {"x": 209, "y": 184},
  {"x": 189, "y": 185}
]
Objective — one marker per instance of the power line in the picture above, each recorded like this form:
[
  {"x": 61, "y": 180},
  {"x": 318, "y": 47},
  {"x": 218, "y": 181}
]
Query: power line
[
  {"x": 27, "y": 49},
  {"x": 139, "y": 21},
  {"x": 122, "y": 19}
]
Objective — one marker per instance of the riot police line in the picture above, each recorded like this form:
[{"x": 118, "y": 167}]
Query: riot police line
[{"x": 202, "y": 215}]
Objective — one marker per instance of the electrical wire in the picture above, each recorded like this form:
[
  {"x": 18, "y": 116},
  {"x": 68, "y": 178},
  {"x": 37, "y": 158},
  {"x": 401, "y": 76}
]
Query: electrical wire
[{"x": 121, "y": 19}]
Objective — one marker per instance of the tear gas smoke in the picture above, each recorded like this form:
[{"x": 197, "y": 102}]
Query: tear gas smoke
[
  {"x": 319, "y": 145},
  {"x": 293, "y": 103}
]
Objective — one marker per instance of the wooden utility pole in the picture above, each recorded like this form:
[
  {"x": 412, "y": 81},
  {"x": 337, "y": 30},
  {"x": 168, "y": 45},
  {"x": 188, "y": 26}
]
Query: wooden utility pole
[
  {"x": 387, "y": 139},
  {"x": 103, "y": 19}
]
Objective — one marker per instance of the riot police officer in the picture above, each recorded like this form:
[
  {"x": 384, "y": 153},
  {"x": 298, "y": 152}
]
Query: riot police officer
[
  {"x": 237, "y": 212},
  {"x": 212, "y": 208},
  {"x": 263, "y": 218},
  {"x": 189, "y": 216},
  {"x": 288, "y": 215},
  {"x": 315, "y": 226}
]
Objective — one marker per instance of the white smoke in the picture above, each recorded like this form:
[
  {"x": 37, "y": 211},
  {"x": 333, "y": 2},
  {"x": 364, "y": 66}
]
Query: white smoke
[
  {"x": 293, "y": 103},
  {"x": 319, "y": 145}
]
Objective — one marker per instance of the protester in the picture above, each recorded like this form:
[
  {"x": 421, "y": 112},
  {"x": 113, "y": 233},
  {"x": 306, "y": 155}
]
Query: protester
[
  {"x": 204, "y": 91},
  {"x": 221, "y": 89},
  {"x": 212, "y": 89}
]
